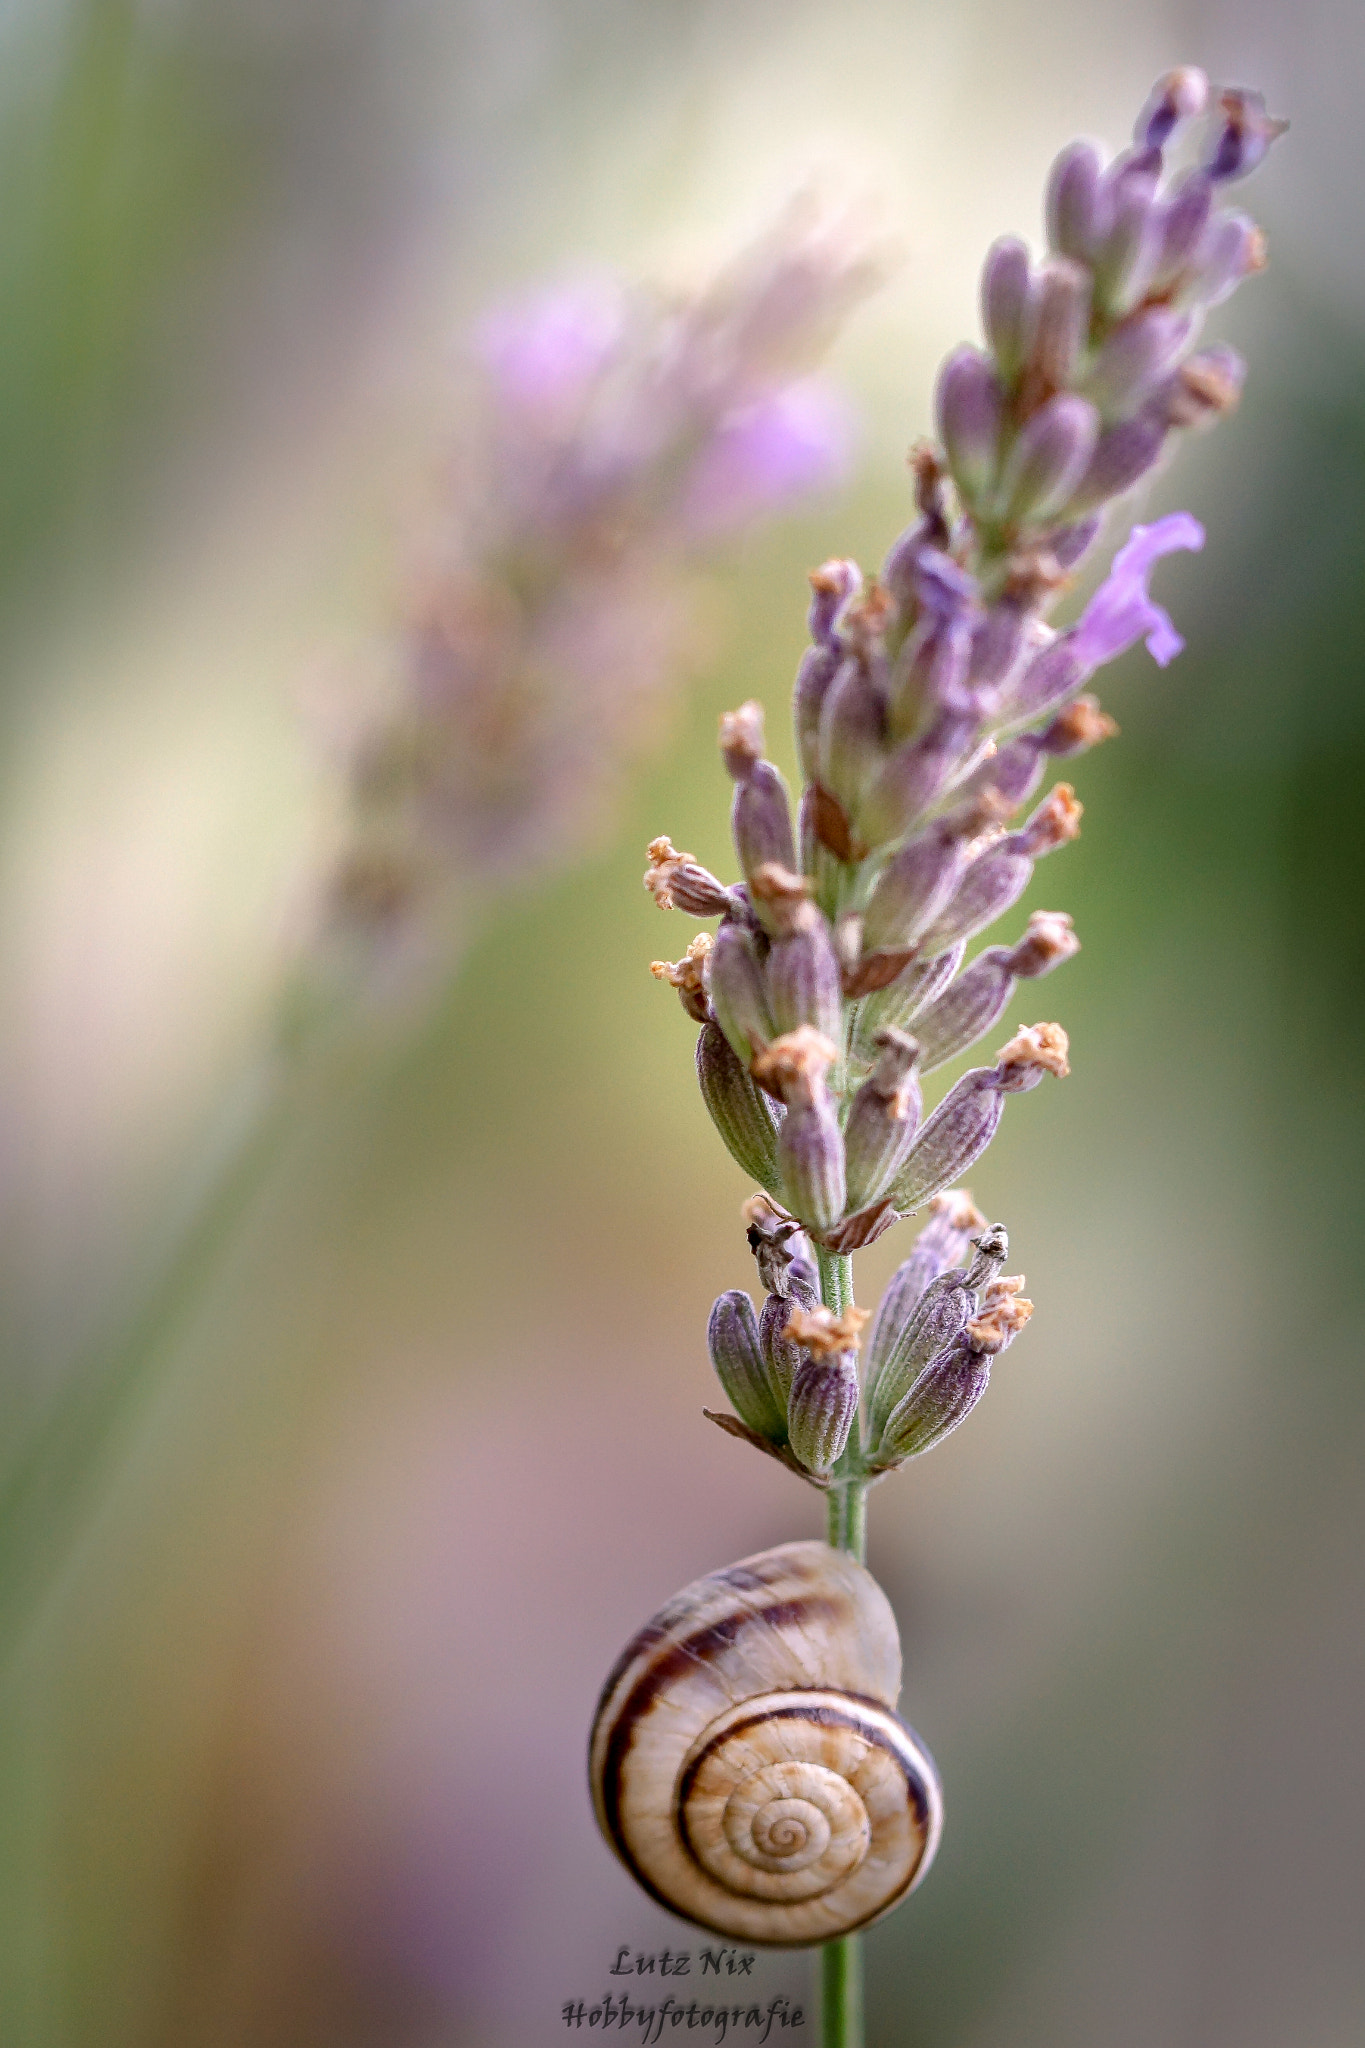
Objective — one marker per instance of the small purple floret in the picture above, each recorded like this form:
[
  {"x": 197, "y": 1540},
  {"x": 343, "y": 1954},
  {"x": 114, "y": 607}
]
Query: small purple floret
[{"x": 1121, "y": 611}]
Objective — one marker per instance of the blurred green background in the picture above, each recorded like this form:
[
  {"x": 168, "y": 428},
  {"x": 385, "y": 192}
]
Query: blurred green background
[{"x": 298, "y": 1675}]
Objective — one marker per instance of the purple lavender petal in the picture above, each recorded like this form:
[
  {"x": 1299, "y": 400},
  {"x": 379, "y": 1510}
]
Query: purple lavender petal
[{"x": 1121, "y": 611}]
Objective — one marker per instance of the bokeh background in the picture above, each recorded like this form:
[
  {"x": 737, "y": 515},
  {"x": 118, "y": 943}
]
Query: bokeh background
[{"x": 300, "y": 1656}]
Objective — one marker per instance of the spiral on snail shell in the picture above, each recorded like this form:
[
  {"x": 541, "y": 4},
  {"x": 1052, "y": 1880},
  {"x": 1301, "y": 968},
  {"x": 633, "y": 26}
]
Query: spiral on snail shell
[{"x": 747, "y": 1764}]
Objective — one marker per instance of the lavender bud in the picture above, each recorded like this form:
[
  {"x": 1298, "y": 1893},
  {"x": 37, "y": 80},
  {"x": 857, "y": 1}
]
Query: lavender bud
[
  {"x": 745, "y": 1117},
  {"x": 1232, "y": 247},
  {"x": 999, "y": 876},
  {"x": 1127, "y": 259},
  {"x": 738, "y": 992},
  {"x": 1006, "y": 304},
  {"x": 733, "y": 1340},
  {"x": 761, "y": 815},
  {"x": 688, "y": 977},
  {"x": 819, "y": 666},
  {"x": 1246, "y": 134},
  {"x": 1077, "y": 201},
  {"x": 810, "y": 1145},
  {"x": 781, "y": 1355},
  {"x": 1061, "y": 326},
  {"x": 1069, "y": 543},
  {"x": 1123, "y": 454},
  {"x": 821, "y": 1410},
  {"x": 1049, "y": 458},
  {"x": 901, "y": 569},
  {"x": 810, "y": 1153},
  {"x": 678, "y": 881},
  {"x": 900, "y": 1001},
  {"x": 953, "y": 1138},
  {"x": 1182, "y": 225},
  {"x": 943, "y": 1242},
  {"x": 969, "y": 407},
  {"x": 917, "y": 883},
  {"x": 978, "y": 998},
  {"x": 1178, "y": 96},
  {"x": 1203, "y": 389},
  {"x": 938, "y": 1318},
  {"x": 1001, "y": 636},
  {"x": 832, "y": 584},
  {"x": 741, "y": 738},
  {"x": 944, "y": 1395},
  {"x": 1053, "y": 675},
  {"x": 933, "y": 665},
  {"x": 883, "y": 1119},
  {"x": 1005, "y": 780},
  {"x": 1137, "y": 353},
  {"x": 802, "y": 969},
  {"x": 761, "y": 821},
  {"x": 852, "y": 731},
  {"x": 914, "y": 777}
]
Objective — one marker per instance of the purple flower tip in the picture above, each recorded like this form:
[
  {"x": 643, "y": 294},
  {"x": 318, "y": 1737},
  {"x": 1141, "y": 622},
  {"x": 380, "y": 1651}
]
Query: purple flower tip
[
  {"x": 543, "y": 351},
  {"x": 781, "y": 446},
  {"x": 1121, "y": 611}
]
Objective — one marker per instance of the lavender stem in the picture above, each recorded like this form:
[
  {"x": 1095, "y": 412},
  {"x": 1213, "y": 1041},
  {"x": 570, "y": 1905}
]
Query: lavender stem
[{"x": 841, "y": 1962}]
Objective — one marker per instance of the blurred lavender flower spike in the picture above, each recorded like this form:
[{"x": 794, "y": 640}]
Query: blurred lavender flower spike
[
  {"x": 543, "y": 353},
  {"x": 786, "y": 444},
  {"x": 616, "y": 435}
]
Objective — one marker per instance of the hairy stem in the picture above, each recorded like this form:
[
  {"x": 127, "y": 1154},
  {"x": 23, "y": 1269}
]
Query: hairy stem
[{"x": 841, "y": 1962}]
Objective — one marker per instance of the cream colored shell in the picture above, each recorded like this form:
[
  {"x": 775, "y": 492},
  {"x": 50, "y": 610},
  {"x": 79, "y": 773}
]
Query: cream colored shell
[{"x": 746, "y": 1762}]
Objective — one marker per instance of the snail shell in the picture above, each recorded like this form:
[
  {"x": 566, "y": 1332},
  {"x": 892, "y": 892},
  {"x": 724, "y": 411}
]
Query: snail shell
[{"x": 746, "y": 1762}]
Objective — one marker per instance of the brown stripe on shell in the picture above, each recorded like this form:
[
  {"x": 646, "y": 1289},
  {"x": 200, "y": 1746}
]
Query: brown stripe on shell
[
  {"x": 742, "y": 1577},
  {"x": 696, "y": 1648}
]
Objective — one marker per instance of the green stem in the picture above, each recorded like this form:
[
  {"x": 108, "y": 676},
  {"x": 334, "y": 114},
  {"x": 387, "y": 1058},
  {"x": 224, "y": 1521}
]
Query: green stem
[
  {"x": 841, "y": 1993},
  {"x": 841, "y": 1962}
]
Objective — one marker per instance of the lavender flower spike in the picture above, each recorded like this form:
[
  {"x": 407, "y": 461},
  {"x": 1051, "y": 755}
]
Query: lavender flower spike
[
  {"x": 1121, "y": 611},
  {"x": 926, "y": 708}
]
